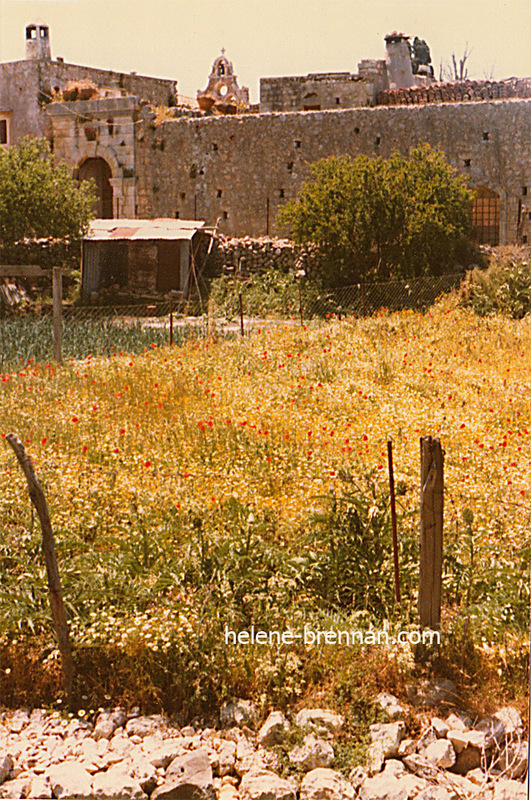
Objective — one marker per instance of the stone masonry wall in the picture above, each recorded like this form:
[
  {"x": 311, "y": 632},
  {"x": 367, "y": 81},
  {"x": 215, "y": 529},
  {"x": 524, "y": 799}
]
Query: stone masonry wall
[
  {"x": 292, "y": 94},
  {"x": 241, "y": 169},
  {"x": 248, "y": 256},
  {"x": 25, "y": 87}
]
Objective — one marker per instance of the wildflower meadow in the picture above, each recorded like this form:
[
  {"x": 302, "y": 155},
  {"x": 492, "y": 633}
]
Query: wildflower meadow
[{"x": 244, "y": 482}]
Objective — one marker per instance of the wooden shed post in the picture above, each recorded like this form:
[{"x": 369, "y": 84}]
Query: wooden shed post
[{"x": 431, "y": 531}]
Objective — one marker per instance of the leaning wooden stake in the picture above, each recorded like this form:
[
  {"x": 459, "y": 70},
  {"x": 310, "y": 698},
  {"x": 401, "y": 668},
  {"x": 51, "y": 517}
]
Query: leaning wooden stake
[
  {"x": 48, "y": 546},
  {"x": 431, "y": 531},
  {"x": 57, "y": 315}
]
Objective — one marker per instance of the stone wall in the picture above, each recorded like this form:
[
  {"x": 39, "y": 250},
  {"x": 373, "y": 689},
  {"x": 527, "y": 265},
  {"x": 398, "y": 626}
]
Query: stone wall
[
  {"x": 241, "y": 169},
  {"x": 325, "y": 92},
  {"x": 248, "y": 256},
  {"x": 26, "y": 88}
]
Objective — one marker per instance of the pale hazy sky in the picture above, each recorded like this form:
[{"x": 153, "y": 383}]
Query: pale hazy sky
[{"x": 179, "y": 39}]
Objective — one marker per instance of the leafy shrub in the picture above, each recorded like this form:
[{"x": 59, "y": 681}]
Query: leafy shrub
[
  {"x": 505, "y": 287},
  {"x": 273, "y": 292}
]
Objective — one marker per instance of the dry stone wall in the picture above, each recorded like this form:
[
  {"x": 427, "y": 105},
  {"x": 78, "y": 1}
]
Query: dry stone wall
[
  {"x": 250, "y": 256},
  {"x": 239, "y": 170}
]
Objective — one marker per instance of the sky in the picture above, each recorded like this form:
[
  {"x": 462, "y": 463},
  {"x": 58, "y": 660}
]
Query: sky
[{"x": 179, "y": 39}]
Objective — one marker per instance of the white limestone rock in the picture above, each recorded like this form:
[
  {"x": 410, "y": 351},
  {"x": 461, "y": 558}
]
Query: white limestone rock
[
  {"x": 16, "y": 788},
  {"x": 375, "y": 758},
  {"x": 313, "y": 753},
  {"x": 164, "y": 752},
  {"x": 389, "y": 735},
  {"x": 70, "y": 779},
  {"x": 406, "y": 747},
  {"x": 6, "y": 765},
  {"x": 511, "y": 721},
  {"x": 395, "y": 768},
  {"x": 386, "y": 787},
  {"x": 441, "y": 754},
  {"x": 187, "y": 776},
  {"x": 326, "y": 784},
  {"x": 321, "y": 720},
  {"x": 143, "y": 726},
  {"x": 226, "y": 751},
  {"x": 458, "y": 739},
  {"x": 274, "y": 729},
  {"x": 391, "y": 705},
  {"x": 440, "y": 727},
  {"x": 266, "y": 785},
  {"x": 117, "y": 784},
  {"x": 458, "y": 722},
  {"x": 420, "y": 766},
  {"x": 228, "y": 792},
  {"x": 509, "y": 790},
  {"x": 18, "y": 720},
  {"x": 40, "y": 788},
  {"x": 257, "y": 760}
]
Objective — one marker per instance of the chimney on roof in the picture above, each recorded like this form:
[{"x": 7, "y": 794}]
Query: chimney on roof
[
  {"x": 398, "y": 59},
  {"x": 38, "y": 43}
]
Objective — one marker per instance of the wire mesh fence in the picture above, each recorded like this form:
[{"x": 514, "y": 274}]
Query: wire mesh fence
[{"x": 107, "y": 329}]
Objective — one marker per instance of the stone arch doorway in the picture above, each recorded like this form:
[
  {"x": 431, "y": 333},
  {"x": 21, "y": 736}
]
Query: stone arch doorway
[
  {"x": 486, "y": 216},
  {"x": 100, "y": 171}
]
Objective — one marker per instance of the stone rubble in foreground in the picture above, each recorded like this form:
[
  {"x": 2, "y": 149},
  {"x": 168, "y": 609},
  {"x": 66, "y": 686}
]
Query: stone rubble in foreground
[{"x": 125, "y": 756}]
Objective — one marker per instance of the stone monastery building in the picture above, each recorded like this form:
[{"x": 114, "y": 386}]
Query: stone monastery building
[{"x": 234, "y": 164}]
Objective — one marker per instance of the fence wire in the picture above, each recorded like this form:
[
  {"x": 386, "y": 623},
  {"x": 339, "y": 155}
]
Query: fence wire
[{"x": 25, "y": 335}]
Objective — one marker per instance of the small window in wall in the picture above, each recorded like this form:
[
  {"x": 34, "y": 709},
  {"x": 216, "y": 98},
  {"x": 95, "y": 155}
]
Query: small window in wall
[
  {"x": 356, "y": 130},
  {"x": 486, "y": 217},
  {"x": 3, "y": 131},
  {"x": 311, "y": 102},
  {"x": 524, "y": 191},
  {"x": 467, "y": 162},
  {"x": 485, "y": 136},
  {"x": 177, "y": 214},
  {"x": 183, "y": 195},
  {"x": 298, "y": 143},
  {"x": 225, "y": 215},
  {"x": 338, "y": 101},
  {"x": 110, "y": 126},
  {"x": 220, "y": 193},
  {"x": 377, "y": 140},
  {"x": 281, "y": 193},
  {"x": 214, "y": 147}
]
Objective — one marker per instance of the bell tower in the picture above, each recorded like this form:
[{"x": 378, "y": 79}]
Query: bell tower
[{"x": 38, "y": 43}]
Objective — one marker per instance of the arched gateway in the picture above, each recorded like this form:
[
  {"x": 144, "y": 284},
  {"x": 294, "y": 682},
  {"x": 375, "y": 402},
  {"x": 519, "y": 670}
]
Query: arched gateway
[{"x": 100, "y": 171}]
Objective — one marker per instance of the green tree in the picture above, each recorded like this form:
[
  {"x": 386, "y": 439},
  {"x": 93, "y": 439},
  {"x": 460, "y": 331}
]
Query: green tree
[
  {"x": 375, "y": 218},
  {"x": 40, "y": 200}
]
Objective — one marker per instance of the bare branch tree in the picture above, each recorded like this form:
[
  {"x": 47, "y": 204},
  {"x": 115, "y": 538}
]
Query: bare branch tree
[{"x": 457, "y": 70}]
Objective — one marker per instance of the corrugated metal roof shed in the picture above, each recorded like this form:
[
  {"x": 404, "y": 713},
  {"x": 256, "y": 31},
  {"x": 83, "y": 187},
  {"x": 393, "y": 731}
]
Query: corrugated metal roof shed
[{"x": 102, "y": 230}]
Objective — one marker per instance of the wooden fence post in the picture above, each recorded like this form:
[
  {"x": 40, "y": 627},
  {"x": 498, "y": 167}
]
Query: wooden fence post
[
  {"x": 171, "y": 320},
  {"x": 431, "y": 531},
  {"x": 57, "y": 315},
  {"x": 393, "y": 519},
  {"x": 242, "y": 326},
  {"x": 52, "y": 571}
]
